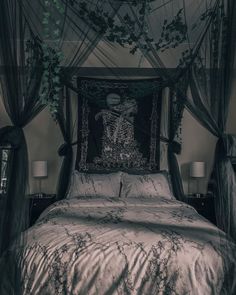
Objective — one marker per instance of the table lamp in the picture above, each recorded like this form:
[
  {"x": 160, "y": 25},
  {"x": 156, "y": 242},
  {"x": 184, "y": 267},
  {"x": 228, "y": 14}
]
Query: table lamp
[
  {"x": 40, "y": 171},
  {"x": 197, "y": 171}
]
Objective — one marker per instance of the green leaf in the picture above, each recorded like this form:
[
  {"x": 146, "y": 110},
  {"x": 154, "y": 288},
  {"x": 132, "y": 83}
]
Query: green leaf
[
  {"x": 45, "y": 21},
  {"x": 56, "y": 32},
  {"x": 46, "y": 14}
]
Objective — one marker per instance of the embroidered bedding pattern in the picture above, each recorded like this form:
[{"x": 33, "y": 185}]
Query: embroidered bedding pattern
[
  {"x": 129, "y": 246},
  {"x": 119, "y": 124},
  {"x": 146, "y": 185},
  {"x": 94, "y": 185}
]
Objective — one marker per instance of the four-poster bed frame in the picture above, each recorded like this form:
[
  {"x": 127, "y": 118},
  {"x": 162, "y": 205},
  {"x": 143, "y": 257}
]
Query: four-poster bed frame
[{"x": 160, "y": 245}]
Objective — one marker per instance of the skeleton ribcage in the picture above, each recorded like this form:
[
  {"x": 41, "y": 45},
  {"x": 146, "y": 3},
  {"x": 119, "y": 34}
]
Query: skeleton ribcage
[{"x": 118, "y": 128}]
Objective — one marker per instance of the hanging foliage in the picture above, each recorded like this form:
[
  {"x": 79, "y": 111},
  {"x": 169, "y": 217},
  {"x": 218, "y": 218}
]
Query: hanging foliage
[
  {"x": 132, "y": 29},
  {"x": 52, "y": 56},
  {"x": 132, "y": 32}
]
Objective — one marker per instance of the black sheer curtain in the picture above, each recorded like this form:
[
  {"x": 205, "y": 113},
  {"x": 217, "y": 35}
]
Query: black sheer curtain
[
  {"x": 174, "y": 147},
  {"x": 224, "y": 180},
  {"x": 79, "y": 36},
  {"x": 211, "y": 85},
  {"x": 64, "y": 118},
  {"x": 20, "y": 82},
  {"x": 80, "y": 33}
]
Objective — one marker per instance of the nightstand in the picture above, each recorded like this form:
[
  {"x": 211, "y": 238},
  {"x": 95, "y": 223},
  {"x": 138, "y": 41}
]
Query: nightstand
[
  {"x": 205, "y": 205},
  {"x": 38, "y": 204}
]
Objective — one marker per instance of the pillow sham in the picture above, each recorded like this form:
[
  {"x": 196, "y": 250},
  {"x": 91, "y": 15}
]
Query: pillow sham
[
  {"x": 146, "y": 185},
  {"x": 94, "y": 185}
]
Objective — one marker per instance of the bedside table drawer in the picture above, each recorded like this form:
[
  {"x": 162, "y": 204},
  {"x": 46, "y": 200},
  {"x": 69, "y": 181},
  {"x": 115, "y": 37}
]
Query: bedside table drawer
[
  {"x": 200, "y": 203},
  {"x": 205, "y": 206},
  {"x": 38, "y": 205}
]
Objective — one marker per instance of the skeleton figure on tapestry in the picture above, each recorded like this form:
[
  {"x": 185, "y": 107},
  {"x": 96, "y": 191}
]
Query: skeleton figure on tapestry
[{"x": 119, "y": 147}]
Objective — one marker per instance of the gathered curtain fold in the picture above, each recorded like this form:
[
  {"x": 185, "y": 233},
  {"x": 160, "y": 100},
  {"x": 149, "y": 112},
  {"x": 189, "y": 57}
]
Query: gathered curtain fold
[
  {"x": 224, "y": 180},
  {"x": 64, "y": 118},
  {"x": 174, "y": 147},
  {"x": 13, "y": 204},
  {"x": 211, "y": 87},
  {"x": 20, "y": 83},
  {"x": 20, "y": 79}
]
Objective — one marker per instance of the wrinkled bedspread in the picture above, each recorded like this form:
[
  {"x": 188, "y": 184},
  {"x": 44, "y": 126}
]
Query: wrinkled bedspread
[{"x": 129, "y": 246}]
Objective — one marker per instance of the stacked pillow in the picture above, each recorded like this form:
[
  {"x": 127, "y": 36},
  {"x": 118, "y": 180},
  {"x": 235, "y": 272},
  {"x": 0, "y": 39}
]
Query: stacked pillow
[
  {"x": 146, "y": 185},
  {"x": 94, "y": 185},
  {"x": 120, "y": 184}
]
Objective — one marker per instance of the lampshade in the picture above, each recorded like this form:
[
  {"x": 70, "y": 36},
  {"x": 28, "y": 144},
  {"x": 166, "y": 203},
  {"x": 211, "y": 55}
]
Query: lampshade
[
  {"x": 40, "y": 169},
  {"x": 197, "y": 169}
]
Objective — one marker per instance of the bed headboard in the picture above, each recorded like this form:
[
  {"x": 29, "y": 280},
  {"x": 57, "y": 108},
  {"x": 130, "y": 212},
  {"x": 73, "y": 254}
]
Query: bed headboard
[{"x": 118, "y": 125}]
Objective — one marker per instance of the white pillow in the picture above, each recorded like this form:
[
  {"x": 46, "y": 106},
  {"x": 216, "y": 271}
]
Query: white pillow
[
  {"x": 94, "y": 185},
  {"x": 146, "y": 185}
]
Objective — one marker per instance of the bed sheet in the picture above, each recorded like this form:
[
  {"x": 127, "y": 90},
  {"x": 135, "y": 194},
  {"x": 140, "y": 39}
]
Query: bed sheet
[{"x": 125, "y": 246}]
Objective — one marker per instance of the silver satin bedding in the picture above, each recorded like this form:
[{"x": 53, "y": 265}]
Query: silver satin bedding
[{"x": 135, "y": 246}]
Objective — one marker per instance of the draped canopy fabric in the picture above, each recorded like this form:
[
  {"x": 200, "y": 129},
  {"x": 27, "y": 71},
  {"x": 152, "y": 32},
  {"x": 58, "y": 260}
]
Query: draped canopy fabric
[
  {"x": 169, "y": 36},
  {"x": 212, "y": 73},
  {"x": 78, "y": 36},
  {"x": 20, "y": 83},
  {"x": 211, "y": 79},
  {"x": 174, "y": 147},
  {"x": 64, "y": 118},
  {"x": 224, "y": 183},
  {"x": 164, "y": 34}
]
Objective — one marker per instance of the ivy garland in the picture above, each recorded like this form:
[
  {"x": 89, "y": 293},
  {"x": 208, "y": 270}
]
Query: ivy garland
[
  {"x": 133, "y": 32},
  {"x": 52, "y": 57}
]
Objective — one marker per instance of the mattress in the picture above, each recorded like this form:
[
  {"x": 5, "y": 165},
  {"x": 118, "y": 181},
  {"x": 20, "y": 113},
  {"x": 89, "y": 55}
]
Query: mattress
[{"x": 136, "y": 246}]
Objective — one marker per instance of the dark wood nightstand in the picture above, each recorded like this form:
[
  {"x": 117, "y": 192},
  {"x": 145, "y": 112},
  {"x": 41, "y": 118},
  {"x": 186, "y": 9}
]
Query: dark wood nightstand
[
  {"x": 38, "y": 204},
  {"x": 205, "y": 205}
]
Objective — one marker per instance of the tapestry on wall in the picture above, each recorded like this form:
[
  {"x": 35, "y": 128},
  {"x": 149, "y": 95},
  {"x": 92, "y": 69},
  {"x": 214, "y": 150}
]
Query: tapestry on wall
[{"x": 118, "y": 124}]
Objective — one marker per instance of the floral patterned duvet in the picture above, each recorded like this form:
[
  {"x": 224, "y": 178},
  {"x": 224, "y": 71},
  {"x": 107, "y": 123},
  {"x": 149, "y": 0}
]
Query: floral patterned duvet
[{"x": 134, "y": 246}]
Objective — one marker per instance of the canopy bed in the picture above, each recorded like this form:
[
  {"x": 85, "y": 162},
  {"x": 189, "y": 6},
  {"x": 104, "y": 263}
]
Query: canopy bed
[
  {"x": 123, "y": 245},
  {"x": 120, "y": 229},
  {"x": 119, "y": 225}
]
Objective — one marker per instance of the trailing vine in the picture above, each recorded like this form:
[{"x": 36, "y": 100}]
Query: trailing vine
[
  {"x": 132, "y": 31},
  {"x": 52, "y": 56}
]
